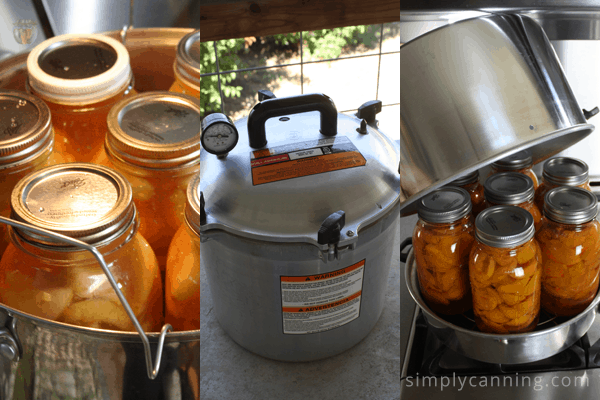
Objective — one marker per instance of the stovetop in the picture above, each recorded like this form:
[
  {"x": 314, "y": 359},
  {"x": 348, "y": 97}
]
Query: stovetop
[{"x": 431, "y": 371}]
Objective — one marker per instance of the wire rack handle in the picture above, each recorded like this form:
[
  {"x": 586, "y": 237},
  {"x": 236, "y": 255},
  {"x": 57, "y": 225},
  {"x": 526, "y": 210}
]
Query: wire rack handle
[{"x": 151, "y": 369}]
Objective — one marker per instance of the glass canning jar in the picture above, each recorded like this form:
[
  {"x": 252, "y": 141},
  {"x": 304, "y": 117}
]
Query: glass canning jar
[
  {"x": 187, "y": 66},
  {"x": 562, "y": 171},
  {"x": 26, "y": 145},
  {"x": 512, "y": 189},
  {"x": 472, "y": 185},
  {"x": 182, "y": 284},
  {"x": 505, "y": 271},
  {"x": 80, "y": 77},
  {"x": 47, "y": 278},
  {"x": 570, "y": 243},
  {"x": 521, "y": 162},
  {"x": 154, "y": 140},
  {"x": 442, "y": 240}
]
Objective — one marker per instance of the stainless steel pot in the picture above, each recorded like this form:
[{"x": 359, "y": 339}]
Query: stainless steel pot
[
  {"x": 507, "y": 348},
  {"x": 476, "y": 91},
  {"x": 299, "y": 230},
  {"x": 56, "y": 360}
]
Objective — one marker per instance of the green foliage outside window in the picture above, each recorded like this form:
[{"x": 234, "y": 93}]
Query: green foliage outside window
[{"x": 323, "y": 44}]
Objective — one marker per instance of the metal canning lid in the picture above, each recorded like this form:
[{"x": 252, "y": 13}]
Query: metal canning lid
[
  {"x": 518, "y": 160},
  {"x": 466, "y": 179},
  {"x": 504, "y": 226},
  {"x": 508, "y": 188},
  {"x": 565, "y": 171},
  {"x": 187, "y": 62},
  {"x": 155, "y": 130},
  {"x": 570, "y": 205},
  {"x": 25, "y": 127},
  {"x": 192, "y": 208},
  {"x": 448, "y": 204},
  {"x": 79, "y": 69},
  {"x": 85, "y": 201}
]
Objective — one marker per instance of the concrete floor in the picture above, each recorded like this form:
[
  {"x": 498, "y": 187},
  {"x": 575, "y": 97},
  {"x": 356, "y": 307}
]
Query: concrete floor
[{"x": 369, "y": 370}]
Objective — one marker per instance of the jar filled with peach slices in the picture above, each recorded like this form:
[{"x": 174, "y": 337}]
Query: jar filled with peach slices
[
  {"x": 182, "y": 285},
  {"x": 505, "y": 271},
  {"x": 442, "y": 240},
  {"x": 471, "y": 184},
  {"x": 562, "y": 171},
  {"x": 512, "y": 189},
  {"x": 570, "y": 242},
  {"x": 153, "y": 139},
  {"x": 26, "y": 145},
  {"x": 187, "y": 66},
  {"x": 521, "y": 162},
  {"x": 44, "y": 277},
  {"x": 80, "y": 77}
]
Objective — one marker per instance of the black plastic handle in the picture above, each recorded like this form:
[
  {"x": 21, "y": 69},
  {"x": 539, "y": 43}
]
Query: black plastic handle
[
  {"x": 278, "y": 107},
  {"x": 202, "y": 212},
  {"x": 405, "y": 243},
  {"x": 331, "y": 229}
]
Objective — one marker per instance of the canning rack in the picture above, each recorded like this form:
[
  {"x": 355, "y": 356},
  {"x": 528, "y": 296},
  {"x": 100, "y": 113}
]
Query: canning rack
[{"x": 151, "y": 369}]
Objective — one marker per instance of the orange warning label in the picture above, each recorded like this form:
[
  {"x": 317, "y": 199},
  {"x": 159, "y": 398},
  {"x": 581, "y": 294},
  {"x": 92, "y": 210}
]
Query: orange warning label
[
  {"x": 304, "y": 159},
  {"x": 322, "y": 276},
  {"x": 317, "y": 303}
]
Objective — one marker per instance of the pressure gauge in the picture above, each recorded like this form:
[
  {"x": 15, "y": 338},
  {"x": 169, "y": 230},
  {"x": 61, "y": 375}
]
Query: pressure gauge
[{"x": 219, "y": 135}]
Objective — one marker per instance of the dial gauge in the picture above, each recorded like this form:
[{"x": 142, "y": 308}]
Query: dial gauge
[{"x": 219, "y": 134}]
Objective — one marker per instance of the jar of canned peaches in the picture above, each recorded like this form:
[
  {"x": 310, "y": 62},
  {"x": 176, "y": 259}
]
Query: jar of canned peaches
[
  {"x": 26, "y": 145},
  {"x": 80, "y": 77},
  {"x": 512, "y": 189},
  {"x": 46, "y": 278},
  {"x": 505, "y": 271},
  {"x": 187, "y": 66},
  {"x": 182, "y": 286},
  {"x": 442, "y": 240},
  {"x": 471, "y": 184},
  {"x": 570, "y": 243},
  {"x": 562, "y": 171},
  {"x": 521, "y": 162},
  {"x": 153, "y": 139}
]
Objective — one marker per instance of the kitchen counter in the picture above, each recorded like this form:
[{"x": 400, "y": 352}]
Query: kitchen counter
[{"x": 369, "y": 370}]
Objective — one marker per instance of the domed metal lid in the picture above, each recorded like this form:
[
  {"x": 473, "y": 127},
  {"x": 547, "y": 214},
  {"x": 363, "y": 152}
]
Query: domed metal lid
[
  {"x": 85, "y": 201},
  {"x": 155, "y": 130},
  {"x": 187, "y": 63},
  {"x": 565, "y": 171},
  {"x": 25, "y": 128},
  {"x": 520, "y": 159},
  {"x": 445, "y": 205},
  {"x": 570, "y": 205},
  {"x": 508, "y": 188},
  {"x": 467, "y": 179},
  {"x": 504, "y": 226},
  {"x": 284, "y": 191}
]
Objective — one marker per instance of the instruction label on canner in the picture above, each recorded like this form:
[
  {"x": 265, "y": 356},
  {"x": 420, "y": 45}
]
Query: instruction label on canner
[
  {"x": 296, "y": 160},
  {"x": 318, "y": 303}
]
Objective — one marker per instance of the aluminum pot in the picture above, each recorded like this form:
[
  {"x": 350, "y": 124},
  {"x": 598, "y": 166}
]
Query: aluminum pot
[
  {"x": 501, "y": 348},
  {"x": 56, "y": 360},
  {"x": 476, "y": 91},
  {"x": 299, "y": 229}
]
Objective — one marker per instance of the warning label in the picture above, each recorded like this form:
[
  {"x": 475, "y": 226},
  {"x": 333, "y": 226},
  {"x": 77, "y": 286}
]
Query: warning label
[
  {"x": 303, "y": 159},
  {"x": 318, "y": 303}
]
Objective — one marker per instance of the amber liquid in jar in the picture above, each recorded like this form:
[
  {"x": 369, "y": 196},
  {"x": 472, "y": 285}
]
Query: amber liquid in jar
[
  {"x": 182, "y": 286},
  {"x": 47, "y": 278},
  {"x": 80, "y": 77},
  {"x": 506, "y": 286},
  {"x": 477, "y": 199},
  {"x": 570, "y": 258}
]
